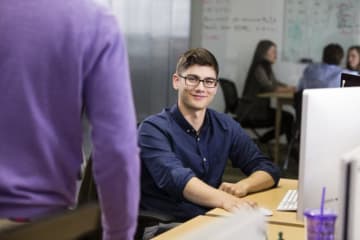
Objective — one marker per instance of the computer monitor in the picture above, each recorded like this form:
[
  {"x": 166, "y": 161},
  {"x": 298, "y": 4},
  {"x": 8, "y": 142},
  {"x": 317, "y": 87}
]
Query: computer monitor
[
  {"x": 349, "y": 80},
  {"x": 330, "y": 127},
  {"x": 351, "y": 195}
]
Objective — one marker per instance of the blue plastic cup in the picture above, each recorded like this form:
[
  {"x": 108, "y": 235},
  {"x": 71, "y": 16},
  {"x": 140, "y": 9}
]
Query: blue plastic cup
[{"x": 320, "y": 227}]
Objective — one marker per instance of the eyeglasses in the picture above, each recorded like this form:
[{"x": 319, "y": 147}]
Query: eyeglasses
[{"x": 194, "y": 80}]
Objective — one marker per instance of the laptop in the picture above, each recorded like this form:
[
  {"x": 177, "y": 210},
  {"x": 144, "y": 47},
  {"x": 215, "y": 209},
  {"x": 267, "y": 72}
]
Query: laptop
[{"x": 349, "y": 80}]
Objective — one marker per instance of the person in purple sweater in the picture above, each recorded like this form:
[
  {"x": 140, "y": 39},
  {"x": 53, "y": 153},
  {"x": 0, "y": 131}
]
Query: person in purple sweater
[{"x": 57, "y": 57}]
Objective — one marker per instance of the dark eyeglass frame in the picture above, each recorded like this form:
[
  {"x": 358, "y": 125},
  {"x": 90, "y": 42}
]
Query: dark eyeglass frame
[{"x": 205, "y": 81}]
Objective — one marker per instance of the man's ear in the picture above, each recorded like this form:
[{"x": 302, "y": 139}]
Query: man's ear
[{"x": 175, "y": 81}]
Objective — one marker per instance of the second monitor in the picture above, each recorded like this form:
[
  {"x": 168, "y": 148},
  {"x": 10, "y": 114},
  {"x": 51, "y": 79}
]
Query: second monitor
[{"x": 330, "y": 127}]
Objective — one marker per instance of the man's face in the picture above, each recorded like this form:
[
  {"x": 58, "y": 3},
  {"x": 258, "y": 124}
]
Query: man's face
[{"x": 193, "y": 96}]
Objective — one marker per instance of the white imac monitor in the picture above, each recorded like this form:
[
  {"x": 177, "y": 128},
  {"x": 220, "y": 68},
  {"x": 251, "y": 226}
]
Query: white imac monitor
[
  {"x": 351, "y": 195},
  {"x": 330, "y": 127}
]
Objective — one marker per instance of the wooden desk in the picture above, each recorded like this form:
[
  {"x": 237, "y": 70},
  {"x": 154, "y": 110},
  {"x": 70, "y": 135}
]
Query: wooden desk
[
  {"x": 281, "y": 99},
  {"x": 178, "y": 233},
  {"x": 270, "y": 199},
  {"x": 280, "y": 221},
  {"x": 289, "y": 232}
]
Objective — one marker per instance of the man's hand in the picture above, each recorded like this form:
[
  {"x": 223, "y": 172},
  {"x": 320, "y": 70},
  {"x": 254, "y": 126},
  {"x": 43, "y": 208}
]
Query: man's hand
[
  {"x": 231, "y": 203},
  {"x": 257, "y": 181},
  {"x": 202, "y": 194},
  {"x": 236, "y": 189}
]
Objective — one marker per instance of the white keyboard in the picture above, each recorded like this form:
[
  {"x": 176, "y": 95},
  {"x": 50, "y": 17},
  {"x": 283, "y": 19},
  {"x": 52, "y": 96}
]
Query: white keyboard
[{"x": 289, "y": 201}]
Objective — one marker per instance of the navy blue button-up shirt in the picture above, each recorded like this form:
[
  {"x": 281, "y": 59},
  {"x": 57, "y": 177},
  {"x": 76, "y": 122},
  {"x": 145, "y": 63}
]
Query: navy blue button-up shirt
[{"x": 172, "y": 153}]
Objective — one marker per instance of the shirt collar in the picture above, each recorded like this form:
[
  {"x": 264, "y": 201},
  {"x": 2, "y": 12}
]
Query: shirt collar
[{"x": 184, "y": 124}]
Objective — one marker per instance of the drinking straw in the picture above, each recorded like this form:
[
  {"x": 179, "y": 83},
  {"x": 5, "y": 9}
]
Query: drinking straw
[{"x": 322, "y": 201}]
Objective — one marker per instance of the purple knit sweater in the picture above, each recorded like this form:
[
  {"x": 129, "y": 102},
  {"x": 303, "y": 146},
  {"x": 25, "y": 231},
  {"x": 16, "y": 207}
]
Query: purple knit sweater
[{"x": 57, "y": 56}]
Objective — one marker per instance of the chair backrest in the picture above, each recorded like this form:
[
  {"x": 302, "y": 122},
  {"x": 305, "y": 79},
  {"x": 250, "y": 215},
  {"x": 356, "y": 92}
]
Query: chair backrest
[
  {"x": 230, "y": 94},
  {"x": 67, "y": 225},
  {"x": 298, "y": 107},
  {"x": 87, "y": 192}
]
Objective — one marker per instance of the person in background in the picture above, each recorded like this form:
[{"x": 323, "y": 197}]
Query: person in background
[
  {"x": 184, "y": 149},
  {"x": 353, "y": 59},
  {"x": 261, "y": 79},
  {"x": 57, "y": 58},
  {"x": 326, "y": 74}
]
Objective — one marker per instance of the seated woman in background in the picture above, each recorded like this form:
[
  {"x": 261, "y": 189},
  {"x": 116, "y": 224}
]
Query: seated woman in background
[
  {"x": 261, "y": 79},
  {"x": 353, "y": 59}
]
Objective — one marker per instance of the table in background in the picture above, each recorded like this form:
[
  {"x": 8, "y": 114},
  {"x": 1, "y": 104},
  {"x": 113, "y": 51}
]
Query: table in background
[{"x": 280, "y": 99}]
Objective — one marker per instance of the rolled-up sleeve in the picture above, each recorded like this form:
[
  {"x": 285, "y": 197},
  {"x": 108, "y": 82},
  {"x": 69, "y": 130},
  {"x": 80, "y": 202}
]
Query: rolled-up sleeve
[
  {"x": 158, "y": 157},
  {"x": 247, "y": 156}
]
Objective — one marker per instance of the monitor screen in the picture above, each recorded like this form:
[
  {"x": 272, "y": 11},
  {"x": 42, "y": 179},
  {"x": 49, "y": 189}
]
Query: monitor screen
[
  {"x": 349, "y": 80},
  {"x": 330, "y": 127}
]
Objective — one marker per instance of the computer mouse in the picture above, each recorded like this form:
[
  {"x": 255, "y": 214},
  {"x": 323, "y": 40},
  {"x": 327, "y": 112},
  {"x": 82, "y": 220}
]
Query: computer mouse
[{"x": 265, "y": 211}]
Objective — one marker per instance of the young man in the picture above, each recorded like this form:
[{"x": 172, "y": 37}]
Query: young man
[
  {"x": 57, "y": 57},
  {"x": 184, "y": 149}
]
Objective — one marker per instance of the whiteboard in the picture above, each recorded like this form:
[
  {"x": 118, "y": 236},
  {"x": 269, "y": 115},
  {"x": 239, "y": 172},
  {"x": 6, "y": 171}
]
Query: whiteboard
[
  {"x": 231, "y": 29},
  {"x": 312, "y": 24}
]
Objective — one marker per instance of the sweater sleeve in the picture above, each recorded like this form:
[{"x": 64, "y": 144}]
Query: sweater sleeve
[
  {"x": 280, "y": 84},
  {"x": 265, "y": 83},
  {"x": 109, "y": 103}
]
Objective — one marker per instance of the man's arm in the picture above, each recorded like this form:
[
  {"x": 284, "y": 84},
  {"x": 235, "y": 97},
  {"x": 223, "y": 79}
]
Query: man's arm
[
  {"x": 244, "y": 154},
  {"x": 257, "y": 181},
  {"x": 202, "y": 194}
]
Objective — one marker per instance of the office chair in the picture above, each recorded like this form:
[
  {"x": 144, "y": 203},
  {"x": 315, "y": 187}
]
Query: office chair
[
  {"x": 150, "y": 218},
  {"x": 71, "y": 224},
  {"x": 242, "y": 108}
]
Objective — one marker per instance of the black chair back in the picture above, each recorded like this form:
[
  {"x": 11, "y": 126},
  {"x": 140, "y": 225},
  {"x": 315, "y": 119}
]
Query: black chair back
[{"x": 230, "y": 95}]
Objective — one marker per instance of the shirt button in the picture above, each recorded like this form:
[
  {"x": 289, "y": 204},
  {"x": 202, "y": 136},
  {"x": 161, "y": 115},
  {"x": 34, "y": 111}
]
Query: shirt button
[
  {"x": 198, "y": 139},
  {"x": 204, "y": 159},
  {"x": 188, "y": 131}
]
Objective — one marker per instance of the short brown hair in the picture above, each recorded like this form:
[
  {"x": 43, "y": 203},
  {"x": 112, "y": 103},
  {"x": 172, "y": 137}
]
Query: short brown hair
[
  {"x": 332, "y": 54},
  {"x": 197, "y": 56}
]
